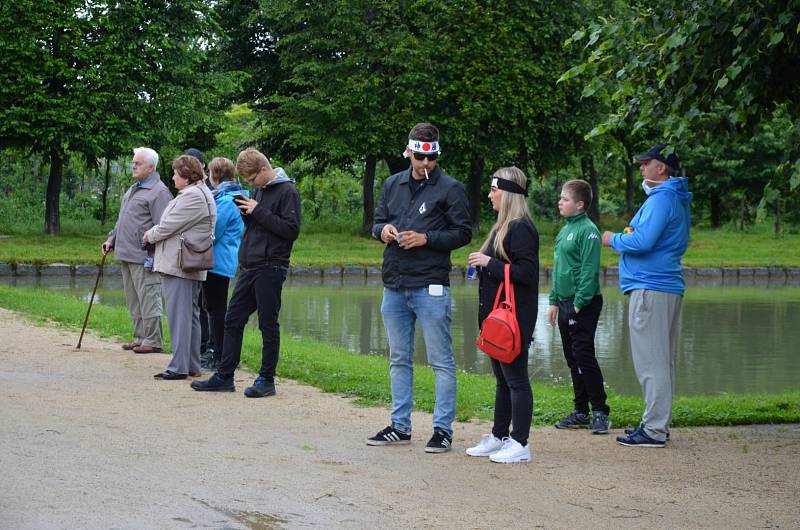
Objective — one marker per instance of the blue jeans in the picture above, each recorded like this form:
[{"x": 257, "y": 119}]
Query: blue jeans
[{"x": 400, "y": 309}]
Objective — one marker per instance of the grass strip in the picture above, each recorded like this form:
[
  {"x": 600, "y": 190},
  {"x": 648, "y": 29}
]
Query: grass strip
[
  {"x": 366, "y": 378},
  {"x": 722, "y": 247}
]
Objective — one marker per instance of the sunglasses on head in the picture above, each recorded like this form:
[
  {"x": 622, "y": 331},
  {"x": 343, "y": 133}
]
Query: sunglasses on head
[{"x": 423, "y": 156}]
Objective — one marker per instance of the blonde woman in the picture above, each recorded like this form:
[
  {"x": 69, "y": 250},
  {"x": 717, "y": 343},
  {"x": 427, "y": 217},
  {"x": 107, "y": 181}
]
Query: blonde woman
[
  {"x": 513, "y": 239},
  {"x": 190, "y": 214}
]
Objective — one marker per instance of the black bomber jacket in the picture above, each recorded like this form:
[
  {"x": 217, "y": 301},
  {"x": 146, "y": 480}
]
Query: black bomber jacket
[{"x": 440, "y": 210}]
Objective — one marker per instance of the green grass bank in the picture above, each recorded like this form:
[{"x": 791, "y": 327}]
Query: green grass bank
[
  {"x": 723, "y": 247},
  {"x": 366, "y": 378}
]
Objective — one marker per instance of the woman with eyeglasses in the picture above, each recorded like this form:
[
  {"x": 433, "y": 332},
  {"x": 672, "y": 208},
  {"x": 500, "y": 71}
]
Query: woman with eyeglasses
[{"x": 513, "y": 239}]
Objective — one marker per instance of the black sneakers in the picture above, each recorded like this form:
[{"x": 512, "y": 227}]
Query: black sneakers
[
  {"x": 389, "y": 436},
  {"x": 261, "y": 388},
  {"x": 440, "y": 442},
  {"x": 601, "y": 423},
  {"x": 214, "y": 384},
  {"x": 575, "y": 420}
]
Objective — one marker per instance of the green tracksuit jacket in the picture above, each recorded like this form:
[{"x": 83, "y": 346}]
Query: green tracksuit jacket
[{"x": 576, "y": 262}]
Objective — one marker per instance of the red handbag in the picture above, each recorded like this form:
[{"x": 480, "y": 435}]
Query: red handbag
[{"x": 500, "y": 337}]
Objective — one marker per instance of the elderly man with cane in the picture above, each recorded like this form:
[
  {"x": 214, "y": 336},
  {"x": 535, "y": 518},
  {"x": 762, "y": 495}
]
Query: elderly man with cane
[{"x": 142, "y": 206}]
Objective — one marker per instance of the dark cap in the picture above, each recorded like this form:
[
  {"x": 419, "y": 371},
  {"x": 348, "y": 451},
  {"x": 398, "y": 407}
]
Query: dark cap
[
  {"x": 654, "y": 153},
  {"x": 197, "y": 153}
]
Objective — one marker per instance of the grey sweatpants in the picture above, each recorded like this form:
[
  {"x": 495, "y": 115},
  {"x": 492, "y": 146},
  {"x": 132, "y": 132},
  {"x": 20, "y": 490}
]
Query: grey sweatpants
[
  {"x": 183, "y": 316},
  {"x": 143, "y": 297},
  {"x": 654, "y": 320}
]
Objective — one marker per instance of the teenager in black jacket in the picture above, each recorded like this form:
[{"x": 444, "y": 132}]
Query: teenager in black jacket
[
  {"x": 513, "y": 239},
  {"x": 272, "y": 224}
]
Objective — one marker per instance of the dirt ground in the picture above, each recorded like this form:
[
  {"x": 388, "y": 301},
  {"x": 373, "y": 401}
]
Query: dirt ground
[{"x": 88, "y": 439}]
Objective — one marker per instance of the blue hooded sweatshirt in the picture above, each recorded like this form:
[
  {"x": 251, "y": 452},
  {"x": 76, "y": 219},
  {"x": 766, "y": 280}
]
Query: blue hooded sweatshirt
[
  {"x": 650, "y": 256},
  {"x": 229, "y": 228}
]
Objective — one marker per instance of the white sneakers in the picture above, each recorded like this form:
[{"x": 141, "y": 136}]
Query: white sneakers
[
  {"x": 505, "y": 451},
  {"x": 488, "y": 445}
]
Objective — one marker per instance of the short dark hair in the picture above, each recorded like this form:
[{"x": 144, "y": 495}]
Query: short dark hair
[
  {"x": 189, "y": 168},
  {"x": 425, "y": 132},
  {"x": 197, "y": 153},
  {"x": 579, "y": 190}
]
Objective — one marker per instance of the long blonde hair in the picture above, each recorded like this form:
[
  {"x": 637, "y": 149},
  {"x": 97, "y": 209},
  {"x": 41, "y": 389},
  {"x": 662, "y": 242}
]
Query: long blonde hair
[{"x": 512, "y": 206}]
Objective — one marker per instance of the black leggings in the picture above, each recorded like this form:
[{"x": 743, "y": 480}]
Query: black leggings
[
  {"x": 513, "y": 401},
  {"x": 215, "y": 301}
]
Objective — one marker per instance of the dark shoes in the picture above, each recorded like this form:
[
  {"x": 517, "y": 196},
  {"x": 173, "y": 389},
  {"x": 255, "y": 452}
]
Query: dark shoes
[
  {"x": 575, "y": 420},
  {"x": 639, "y": 438},
  {"x": 168, "y": 375},
  {"x": 209, "y": 364},
  {"x": 631, "y": 431},
  {"x": 601, "y": 423},
  {"x": 440, "y": 442},
  {"x": 214, "y": 384},
  {"x": 131, "y": 345},
  {"x": 261, "y": 388},
  {"x": 389, "y": 436},
  {"x": 146, "y": 349}
]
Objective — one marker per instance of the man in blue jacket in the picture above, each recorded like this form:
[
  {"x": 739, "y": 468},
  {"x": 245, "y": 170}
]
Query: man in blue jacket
[{"x": 650, "y": 252}]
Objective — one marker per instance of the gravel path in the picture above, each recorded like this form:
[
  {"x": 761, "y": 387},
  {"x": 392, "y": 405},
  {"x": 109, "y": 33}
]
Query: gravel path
[{"x": 88, "y": 439}]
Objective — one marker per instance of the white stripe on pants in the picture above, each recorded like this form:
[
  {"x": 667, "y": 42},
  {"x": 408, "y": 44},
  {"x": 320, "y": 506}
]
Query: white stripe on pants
[
  {"x": 654, "y": 321},
  {"x": 183, "y": 316}
]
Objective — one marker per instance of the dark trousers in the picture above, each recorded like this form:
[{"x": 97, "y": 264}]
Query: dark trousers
[
  {"x": 205, "y": 336},
  {"x": 577, "y": 338},
  {"x": 513, "y": 398},
  {"x": 215, "y": 298},
  {"x": 256, "y": 290}
]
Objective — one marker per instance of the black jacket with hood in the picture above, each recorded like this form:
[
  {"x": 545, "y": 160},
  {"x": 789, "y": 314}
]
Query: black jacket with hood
[{"x": 273, "y": 225}]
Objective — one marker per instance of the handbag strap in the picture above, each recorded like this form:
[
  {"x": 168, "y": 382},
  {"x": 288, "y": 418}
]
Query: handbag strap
[
  {"x": 509, "y": 290},
  {"x": 211, "y": 232}
]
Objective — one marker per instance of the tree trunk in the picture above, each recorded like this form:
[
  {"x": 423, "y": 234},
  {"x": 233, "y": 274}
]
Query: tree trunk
[
  {"x": 369, "y": 194},
  {"x": 590, "y": 176},
  {"x": 629, "y": 187},
  {"x": 106, "y": 181},
  {"x": 397, "y": 164},
  {"x": 476, "y": 167},
  {"x": 52, "y": 219},
  {"x": 716, "y": 210},
  {"x": 778, "y": 216}
]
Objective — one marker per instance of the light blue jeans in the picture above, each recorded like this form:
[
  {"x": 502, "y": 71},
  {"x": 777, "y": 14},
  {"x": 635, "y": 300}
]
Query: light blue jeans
[{"x": 400, "y": 309}]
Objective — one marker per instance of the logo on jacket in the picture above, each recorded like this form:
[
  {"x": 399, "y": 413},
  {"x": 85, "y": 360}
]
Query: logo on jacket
[
  {"x": 422, "y": 209},
  {"x": 593, "y": 235},
  {"x": 570, "y": 236}
]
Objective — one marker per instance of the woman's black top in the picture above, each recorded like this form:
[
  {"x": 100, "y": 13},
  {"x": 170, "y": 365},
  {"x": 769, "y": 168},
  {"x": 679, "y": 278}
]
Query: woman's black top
[{"x": 522, "y": 246}]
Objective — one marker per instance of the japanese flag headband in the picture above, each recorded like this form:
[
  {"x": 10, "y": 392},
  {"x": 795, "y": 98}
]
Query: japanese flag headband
[
  {"x": 424, "y": 147},
  {"x": 509, "y": 186}
]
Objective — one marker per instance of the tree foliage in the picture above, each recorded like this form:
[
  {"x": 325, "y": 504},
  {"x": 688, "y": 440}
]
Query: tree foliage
[
  {"x": 699, "y": 72},
  {"x": 89, "y": 78}
]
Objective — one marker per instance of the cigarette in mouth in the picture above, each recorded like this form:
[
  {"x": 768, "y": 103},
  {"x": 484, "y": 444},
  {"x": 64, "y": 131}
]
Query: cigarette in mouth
[{"x": 426, "y": 172}]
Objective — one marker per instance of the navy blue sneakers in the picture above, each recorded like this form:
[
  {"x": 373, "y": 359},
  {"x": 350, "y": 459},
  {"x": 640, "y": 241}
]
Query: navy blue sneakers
[{"x": 639, "y": 438}]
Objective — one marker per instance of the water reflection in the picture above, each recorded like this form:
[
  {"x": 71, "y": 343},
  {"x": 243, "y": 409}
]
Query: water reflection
[{"x": 734, "y": 339}]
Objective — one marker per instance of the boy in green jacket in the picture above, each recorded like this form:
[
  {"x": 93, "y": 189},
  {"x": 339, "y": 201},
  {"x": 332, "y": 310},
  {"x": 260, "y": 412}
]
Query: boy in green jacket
[{"x": 576, "y": 302}]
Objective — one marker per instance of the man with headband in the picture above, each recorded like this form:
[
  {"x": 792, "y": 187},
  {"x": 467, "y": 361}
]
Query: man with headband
[{"x": 422, "y": 216}]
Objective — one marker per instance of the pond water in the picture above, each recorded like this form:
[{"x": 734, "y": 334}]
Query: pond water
[{"x": 734, "y": 339}]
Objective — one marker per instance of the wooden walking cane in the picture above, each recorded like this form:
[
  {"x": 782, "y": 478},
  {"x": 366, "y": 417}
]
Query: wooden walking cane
[{"x": 91, "y": 300}]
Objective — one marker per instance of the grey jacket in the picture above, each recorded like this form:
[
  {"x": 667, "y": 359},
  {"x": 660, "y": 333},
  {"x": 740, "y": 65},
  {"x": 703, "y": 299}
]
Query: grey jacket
[
  {"x": 141, "y": 209},
  {"x": 186, "y": 214}
]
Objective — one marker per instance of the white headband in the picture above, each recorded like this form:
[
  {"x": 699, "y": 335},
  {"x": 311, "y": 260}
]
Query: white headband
[{"x": 421, "y": 146}]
